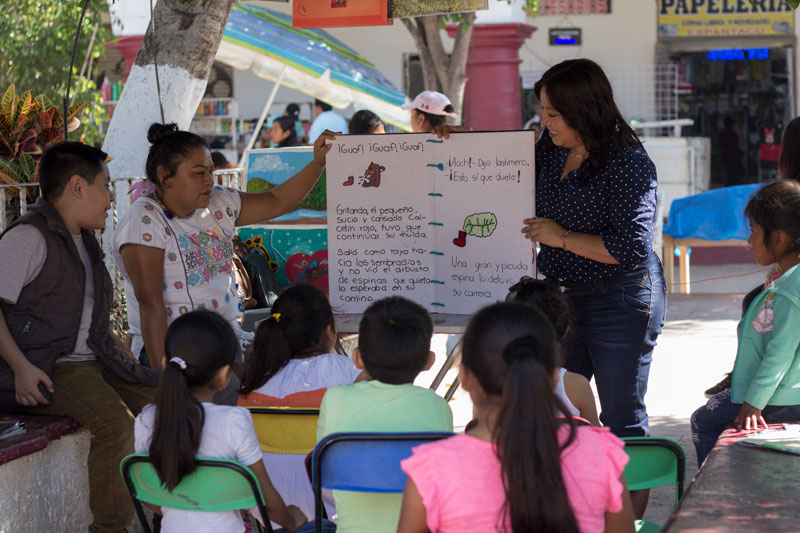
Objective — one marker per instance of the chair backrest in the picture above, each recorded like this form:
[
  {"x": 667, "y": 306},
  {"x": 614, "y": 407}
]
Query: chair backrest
[
  {"x": 286, "y": 429},
  {"x": 216, "y": 485},
  {"x": 364, "y": 462},
  {"x": 655, "y": 462}
]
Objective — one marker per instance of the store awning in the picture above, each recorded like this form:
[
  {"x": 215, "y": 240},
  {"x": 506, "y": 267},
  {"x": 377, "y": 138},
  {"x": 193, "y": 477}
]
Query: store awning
[{"x": 308, "y": 60}]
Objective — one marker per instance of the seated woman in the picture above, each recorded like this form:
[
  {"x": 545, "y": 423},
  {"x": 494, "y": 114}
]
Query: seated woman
[{"x": 174, "y": 245}]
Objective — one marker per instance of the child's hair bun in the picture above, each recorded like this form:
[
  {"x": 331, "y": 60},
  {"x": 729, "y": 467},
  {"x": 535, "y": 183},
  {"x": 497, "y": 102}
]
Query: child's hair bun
[{"x": 157, "y": 131}]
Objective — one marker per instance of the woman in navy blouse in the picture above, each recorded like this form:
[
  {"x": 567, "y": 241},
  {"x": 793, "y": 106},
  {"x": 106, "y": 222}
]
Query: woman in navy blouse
[{"x": 595, "y": 211}]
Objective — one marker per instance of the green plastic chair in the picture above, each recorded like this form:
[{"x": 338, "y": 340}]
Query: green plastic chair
[
  {"x": 654, "y": 462},
  {"x": 216, "y": 485}
]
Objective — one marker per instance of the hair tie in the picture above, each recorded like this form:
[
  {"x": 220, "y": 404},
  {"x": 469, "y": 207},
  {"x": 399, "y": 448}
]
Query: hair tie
[
  {"x": 276, "y": 316},
  {"x": 520, "y": 349},
  {"x": 178, "y": 361}
]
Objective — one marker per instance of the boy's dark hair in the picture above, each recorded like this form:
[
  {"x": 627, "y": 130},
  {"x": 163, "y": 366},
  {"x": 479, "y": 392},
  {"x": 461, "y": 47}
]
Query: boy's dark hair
[
  {"x": 546, "y": 298},
  {"x": 62, "y": 161},
  {"x": 325, "y": 106},
  {"x": 394, "y": 339}
]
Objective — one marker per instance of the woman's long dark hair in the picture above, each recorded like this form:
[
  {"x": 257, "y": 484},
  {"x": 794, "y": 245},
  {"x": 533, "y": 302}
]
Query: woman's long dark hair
[
  {"x": 789, "y": 164},
  {"x": 287, "y": 124},
  {"x": 205, "y": 342},
  {"x": 169, "y": 147},
  {"x": 580, "y": 91},
  {"x": 511, "y": 349},
  {"x": 295, "y": 330}
]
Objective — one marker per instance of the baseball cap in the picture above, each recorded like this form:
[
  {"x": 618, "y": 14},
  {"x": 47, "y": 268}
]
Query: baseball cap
[{"x": 430, "y": 102}]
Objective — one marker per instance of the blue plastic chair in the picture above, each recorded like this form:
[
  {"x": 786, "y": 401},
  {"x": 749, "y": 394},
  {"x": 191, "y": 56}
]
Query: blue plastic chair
[{"x": 363, "y": 462}]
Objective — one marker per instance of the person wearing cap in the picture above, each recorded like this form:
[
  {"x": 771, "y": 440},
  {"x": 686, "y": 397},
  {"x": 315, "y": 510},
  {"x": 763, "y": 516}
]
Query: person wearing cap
[
  {"x": 326, "y": 119},
  {"x": 429, "y": 110}
]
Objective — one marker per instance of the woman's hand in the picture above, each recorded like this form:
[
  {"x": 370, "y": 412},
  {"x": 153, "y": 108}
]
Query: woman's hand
[
  {"x": 544, "y": 231},
  {"x": 749, "y": 418},
  {"x": 444, "y": 130},
  {"x": 322, "y": 147}
]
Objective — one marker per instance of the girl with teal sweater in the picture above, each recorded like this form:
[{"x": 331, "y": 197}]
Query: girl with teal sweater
[{"x": 766, "y": 374}]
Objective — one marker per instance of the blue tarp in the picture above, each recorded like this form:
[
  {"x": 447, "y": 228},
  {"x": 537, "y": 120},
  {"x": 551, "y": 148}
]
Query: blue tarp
[{"x": 715, "y": 215}]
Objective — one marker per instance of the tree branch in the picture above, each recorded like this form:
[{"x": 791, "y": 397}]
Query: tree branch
[{"x": 428, "y": 69}]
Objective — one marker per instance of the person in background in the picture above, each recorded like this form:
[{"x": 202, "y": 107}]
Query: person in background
[
  {"x": 731, "y": 153},
  {"x": 429, "y": 110},
  {"x": 365, "y": 122},
  {"x": 220, "y": 161},
  {"x": 283, "y": 133},
  {"x": 326, "y": 119},
  {"x": 293, "y": 110},
  {"x": 525, "y": 466}
]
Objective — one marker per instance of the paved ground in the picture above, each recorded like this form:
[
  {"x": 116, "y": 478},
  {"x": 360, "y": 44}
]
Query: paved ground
[{"x": 695, "y": 350}]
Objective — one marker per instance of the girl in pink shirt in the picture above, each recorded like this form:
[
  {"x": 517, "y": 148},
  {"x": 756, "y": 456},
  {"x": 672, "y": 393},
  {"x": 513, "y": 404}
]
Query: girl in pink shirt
[{"x": 520, "y": 468}]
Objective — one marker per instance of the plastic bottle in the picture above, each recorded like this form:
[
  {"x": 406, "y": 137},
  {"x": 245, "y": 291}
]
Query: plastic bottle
[
  {"x": 106, "y": 89},
  {"x": 240, "y": 300},
  {"x": 116, "y": 89}
]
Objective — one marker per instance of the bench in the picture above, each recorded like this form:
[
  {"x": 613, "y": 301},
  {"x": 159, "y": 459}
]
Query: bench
[{"x": 741, "y": 489}]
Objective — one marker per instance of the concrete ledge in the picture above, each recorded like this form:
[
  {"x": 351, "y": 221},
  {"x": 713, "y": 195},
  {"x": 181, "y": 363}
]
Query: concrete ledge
[{"x": 47, "y": 490}]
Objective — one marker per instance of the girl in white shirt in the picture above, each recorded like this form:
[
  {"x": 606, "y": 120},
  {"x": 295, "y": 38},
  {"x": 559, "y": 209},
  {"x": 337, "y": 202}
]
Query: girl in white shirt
[
  {"x": 292, "y": 365},
  {"x": 184, "y": 424}
]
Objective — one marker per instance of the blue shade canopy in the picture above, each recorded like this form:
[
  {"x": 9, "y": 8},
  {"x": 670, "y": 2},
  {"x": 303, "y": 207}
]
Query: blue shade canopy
[{"x": 312, "y": 62}]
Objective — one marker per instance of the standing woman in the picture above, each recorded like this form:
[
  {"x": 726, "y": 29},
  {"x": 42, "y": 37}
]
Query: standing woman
[
  {"x": 595, "y": 206},
  {"x": 174, "y": 245}
]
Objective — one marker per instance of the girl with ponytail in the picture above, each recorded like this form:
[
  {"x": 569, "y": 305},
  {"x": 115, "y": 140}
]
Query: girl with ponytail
[
  {"x": 184, "y": 424},
  {"x": 530, "y": 468},
  {"x": 292, "y": 365}
]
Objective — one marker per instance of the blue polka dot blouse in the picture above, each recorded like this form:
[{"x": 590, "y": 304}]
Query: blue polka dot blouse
[{"x": 618, "y": 202}]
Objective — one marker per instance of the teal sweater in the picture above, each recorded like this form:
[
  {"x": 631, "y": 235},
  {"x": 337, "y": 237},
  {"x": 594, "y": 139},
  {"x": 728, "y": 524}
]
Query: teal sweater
[{"x": 767, "y": 368}]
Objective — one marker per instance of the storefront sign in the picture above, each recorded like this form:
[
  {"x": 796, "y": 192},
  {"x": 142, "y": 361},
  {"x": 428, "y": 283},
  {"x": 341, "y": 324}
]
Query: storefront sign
[{"x": 724, "y": 18}]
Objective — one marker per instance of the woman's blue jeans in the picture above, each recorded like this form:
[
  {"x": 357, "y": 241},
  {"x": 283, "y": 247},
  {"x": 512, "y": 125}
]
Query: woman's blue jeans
[{"x": 616, "y": 322}]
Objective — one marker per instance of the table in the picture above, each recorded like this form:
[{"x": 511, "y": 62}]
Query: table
[
  {"x": 741, "y": 489},
  {"x": 442, "y": 323},
  {"x": 669, "y": 245}
]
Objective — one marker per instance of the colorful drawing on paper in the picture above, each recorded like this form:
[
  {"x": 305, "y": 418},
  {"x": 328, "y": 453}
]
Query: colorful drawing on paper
[
  {"x": 478, "y": 225},
  {"x": 313, "y": 269},
  {"x": 284, "y": 243},
  {"x": 371, "y": 177},
  {"x": 269, "y": 167}
]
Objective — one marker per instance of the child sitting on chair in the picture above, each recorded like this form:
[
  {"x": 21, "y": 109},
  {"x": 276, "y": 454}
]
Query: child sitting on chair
[
  {"x": 394, "y": 340},
  {"x": 572, "y": 389},
  {"x": 292, "y": 365},
  {"x": 185, "y": 424}
]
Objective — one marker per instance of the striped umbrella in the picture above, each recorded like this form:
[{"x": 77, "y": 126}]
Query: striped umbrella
[{"x": 308, "y": 60}]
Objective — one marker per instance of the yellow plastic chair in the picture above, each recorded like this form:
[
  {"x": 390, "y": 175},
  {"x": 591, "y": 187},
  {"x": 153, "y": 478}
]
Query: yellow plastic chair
[{"x": 291, "y": 430}]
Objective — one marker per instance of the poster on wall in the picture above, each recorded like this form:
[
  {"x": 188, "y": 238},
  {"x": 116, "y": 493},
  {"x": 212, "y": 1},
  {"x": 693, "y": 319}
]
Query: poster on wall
[
  {"x": 574, "y": 7},
  {"x": 724, "y": 18},
  {"x": 437, "y": 221},
  {"x": 266, "y": 168}
]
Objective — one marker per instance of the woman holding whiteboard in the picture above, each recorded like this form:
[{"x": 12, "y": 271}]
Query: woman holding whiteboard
[
  {"x": 174, "y": 246},
  {"x": 595, "y": 212}
]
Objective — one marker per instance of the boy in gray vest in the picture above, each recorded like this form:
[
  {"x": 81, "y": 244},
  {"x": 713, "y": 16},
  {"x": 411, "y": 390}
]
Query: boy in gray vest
[{"x": 57, "y": 353}]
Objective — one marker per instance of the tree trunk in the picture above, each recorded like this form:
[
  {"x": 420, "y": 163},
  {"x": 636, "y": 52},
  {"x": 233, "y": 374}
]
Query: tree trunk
[
  {"x": 187, "y": 36},
  {"x": 447, "y": 74}
]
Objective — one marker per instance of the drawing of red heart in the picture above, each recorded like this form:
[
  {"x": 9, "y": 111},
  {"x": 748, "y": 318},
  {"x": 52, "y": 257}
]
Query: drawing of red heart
[{"x": 302, "y": 268}]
